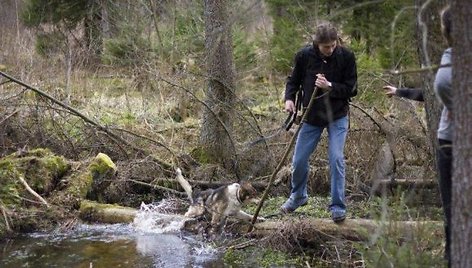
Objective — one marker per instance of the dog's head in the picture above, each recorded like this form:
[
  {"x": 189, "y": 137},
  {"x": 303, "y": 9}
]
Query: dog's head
[{"x": 247, "y": 193}]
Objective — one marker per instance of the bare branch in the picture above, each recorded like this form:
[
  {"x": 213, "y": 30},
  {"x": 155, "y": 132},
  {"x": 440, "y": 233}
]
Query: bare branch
[{"x": 31, "y": 191}]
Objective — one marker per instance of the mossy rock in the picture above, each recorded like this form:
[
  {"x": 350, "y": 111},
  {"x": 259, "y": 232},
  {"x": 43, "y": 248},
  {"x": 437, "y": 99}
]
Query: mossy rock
[
  {"x": 87, "y": 181},
  {"x": 103, "y": 170},
  {"x": 64, "y": 184},
  {"x": 40, "y": 168}
]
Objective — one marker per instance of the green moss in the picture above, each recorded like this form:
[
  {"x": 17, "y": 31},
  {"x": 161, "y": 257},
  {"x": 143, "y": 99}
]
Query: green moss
[
  {"x": 200, "y": 155},
  {"x": 316, "y": 207},
  {"x": 233, "y": 258},
  {"x": 102, "y": 164},
  {"x": 103, "y": 170},
  {"x": 106, "y": 213},
  {"x": 9, "y": 184},
  {"x": 39, "y": 152},
  {"x": 79, "y": 184},
  {"x": 40, "y": 168}
]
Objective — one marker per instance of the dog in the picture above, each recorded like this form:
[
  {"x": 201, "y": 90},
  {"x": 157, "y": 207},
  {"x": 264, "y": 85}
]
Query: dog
[{"x": 221, "y": 203}]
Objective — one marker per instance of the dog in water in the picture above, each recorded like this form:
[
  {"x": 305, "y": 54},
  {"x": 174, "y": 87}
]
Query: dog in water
[{"x": 221, "y": 203}]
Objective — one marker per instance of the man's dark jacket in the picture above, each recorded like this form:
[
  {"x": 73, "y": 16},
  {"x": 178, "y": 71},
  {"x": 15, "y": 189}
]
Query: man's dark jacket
[{"x": 339, "y": 69}]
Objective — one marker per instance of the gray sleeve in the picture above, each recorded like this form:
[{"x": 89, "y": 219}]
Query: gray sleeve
[{"x": 443, "y": 81}]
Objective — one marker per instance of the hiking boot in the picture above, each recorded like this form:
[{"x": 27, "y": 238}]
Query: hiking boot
[
  {"x": 338, "y": 216},
  {"x": 291, "y": 205}
]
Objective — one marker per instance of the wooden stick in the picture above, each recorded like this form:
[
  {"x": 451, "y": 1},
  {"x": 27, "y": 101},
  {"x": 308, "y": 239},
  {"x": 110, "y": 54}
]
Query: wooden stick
[
  {"x": 8, "y": 116},
  {"x": 158, "y": 187},
  {"x": 31, "y": 191},
  {"x": 284, "y": 157},
  {"x": 5, "y": 216}
]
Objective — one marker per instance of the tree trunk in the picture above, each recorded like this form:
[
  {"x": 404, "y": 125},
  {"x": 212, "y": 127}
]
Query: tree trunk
[
  {"x": 430, "y": 47},
  {"x": 461, "y": 228},
  {"x": 216, "y": 132},
  {"x": 92, "y": 28}
]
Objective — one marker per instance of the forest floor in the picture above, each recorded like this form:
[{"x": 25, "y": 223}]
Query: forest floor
[{"x": 148, "y": 133}]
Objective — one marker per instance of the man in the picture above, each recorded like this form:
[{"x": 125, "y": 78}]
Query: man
[{"x": 330, "y": 68}]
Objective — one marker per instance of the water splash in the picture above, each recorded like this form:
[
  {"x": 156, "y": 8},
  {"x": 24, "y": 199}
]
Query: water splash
[
  {"x": 170, "y": 248},
  {"x": 154, "y": 239},
  {"x": 149, "y": 219}
]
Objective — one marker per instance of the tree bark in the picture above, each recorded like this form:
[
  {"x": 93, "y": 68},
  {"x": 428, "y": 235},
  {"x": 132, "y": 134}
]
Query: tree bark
[
  {"x": 216, "y": 131},
  {"x": 93, "y": 28},
  {"x": 430, "y": 47},
  {"x": 350, "y": 229},
  {"x": 461, "y": 228}
]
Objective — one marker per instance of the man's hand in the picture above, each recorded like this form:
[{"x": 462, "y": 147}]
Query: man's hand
[
  {"x": 289, "y": 106},
  {"x": 390, "y": 91},
  {"x": 321, "y": 82}
]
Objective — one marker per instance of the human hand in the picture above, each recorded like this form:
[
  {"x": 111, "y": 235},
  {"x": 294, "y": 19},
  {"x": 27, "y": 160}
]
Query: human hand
[
  {"x": 289, "y": 106},
  {"x": 390, "y": 91},
  {"x": 321, "y": 82}
]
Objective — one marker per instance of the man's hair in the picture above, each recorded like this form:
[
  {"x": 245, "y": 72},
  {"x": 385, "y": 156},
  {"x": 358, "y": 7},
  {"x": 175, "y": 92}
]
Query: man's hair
[
  {"x": 325, "y": 32},
  {"x": 446, "y": 24}
]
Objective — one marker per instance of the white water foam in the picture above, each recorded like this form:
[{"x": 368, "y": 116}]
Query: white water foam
[
  {"x": 150, "y": 220},
  {"x": 170, "y": 248}
]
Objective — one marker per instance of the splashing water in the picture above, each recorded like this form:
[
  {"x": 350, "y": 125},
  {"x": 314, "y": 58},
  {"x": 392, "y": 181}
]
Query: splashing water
[
  {"x": 154, "y": 239},
  {"x": 149, "y": 219}
]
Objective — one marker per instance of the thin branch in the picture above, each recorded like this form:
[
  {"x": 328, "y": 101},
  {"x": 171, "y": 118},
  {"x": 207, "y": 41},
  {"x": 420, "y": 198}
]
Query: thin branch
[
  {"x": 146, "y": 138},
  {"x": 243, "y": 245},
  {"x": 5, "y": 217},
  {"x": 424, "y": 32},
  {"x": 207, "y": 107},
  {"x": 419, "y": 70},
  {"x": 367, "y": 114},
  {"x": 158, "y": 187},
  {"x": 31, "y": 191},
  {"x": 73, "y": 110},
  {"x": 115, "y": 138},
  {"x": 8, "y": 116}
]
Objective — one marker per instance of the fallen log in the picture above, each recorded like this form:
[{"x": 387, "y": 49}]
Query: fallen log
[
  {"x": 308, "y": 229},
  {"x": 311, "y": 229},
  {"x": 417, "y": 191},
  {"x": 91, "y": 211},
  {"x": 406, "y": 184}
]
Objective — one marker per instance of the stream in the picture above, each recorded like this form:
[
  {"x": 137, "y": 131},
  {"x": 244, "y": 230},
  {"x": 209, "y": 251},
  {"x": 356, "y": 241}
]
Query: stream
[{"x": 149, "y": 241}]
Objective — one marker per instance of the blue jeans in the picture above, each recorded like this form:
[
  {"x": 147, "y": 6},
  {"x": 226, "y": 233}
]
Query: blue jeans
[{"x": 307, "y": 141}]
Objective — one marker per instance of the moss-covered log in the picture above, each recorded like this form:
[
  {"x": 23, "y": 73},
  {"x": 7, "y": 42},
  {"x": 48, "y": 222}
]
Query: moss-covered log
[
  {"x": 311, "y": 229},
  {"x": 105, "y": 213}
]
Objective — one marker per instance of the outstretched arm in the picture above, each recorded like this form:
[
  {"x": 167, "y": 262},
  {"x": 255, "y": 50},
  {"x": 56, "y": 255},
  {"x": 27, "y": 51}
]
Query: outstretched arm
[{"x": 408, "y": 93}]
